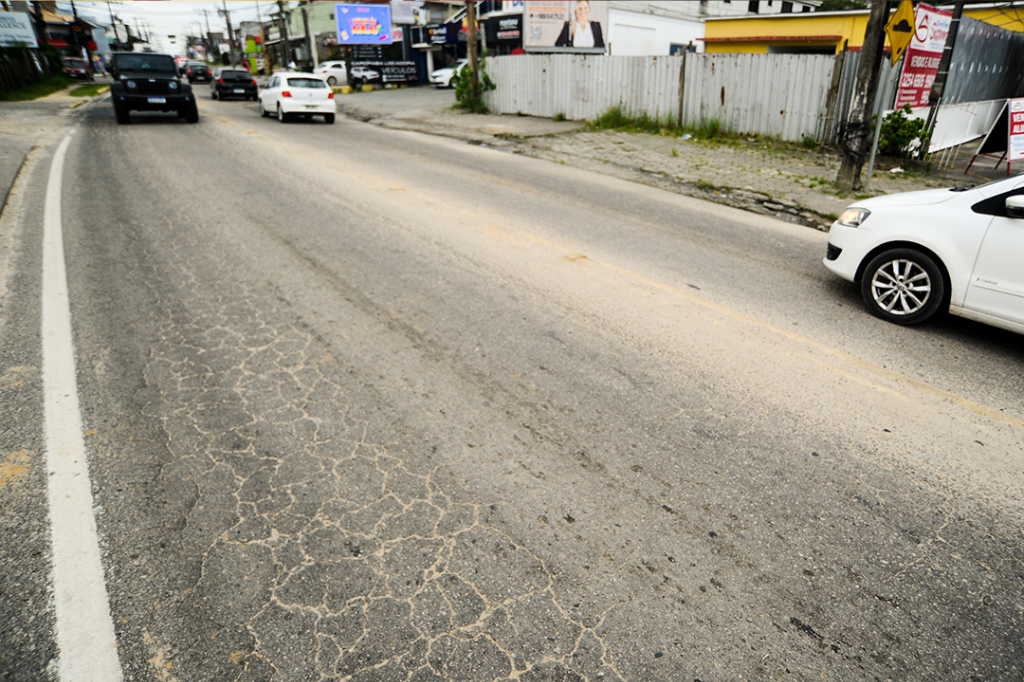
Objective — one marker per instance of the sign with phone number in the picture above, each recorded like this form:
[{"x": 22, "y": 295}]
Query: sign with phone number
[{"x": 921, "y": 64}]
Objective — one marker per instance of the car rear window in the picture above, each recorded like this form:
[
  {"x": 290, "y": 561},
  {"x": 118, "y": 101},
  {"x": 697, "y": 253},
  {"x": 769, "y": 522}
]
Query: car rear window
[
  {"x": 313, "y": 83},
  {"x": 235, "y": 75},
  {"x": 73, "y": 61}
]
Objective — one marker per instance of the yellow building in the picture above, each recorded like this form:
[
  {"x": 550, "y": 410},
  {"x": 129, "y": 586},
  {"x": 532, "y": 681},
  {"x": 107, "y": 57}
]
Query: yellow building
[{"x": 823, "y": 32}]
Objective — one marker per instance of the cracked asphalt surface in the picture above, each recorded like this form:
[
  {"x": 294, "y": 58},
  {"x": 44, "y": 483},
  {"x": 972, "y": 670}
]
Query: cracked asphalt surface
[{"x": 367, "y": 405}]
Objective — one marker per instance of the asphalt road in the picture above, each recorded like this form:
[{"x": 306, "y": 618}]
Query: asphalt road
[{"x": 374, "y": 405}]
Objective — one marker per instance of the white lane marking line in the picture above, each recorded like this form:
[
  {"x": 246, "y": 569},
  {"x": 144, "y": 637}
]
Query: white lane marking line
[{"x": 85, "y": 629}]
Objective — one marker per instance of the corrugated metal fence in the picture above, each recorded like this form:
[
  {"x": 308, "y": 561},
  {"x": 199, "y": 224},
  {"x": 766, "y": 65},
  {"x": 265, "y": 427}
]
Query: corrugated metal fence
[
  {"x": 787, "y": 96},
  {"x": 771, "y": 94}
]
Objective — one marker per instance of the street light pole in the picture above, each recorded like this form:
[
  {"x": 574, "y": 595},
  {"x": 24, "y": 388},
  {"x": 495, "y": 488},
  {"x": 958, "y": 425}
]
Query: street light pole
[{"x": 231, "y": 31}]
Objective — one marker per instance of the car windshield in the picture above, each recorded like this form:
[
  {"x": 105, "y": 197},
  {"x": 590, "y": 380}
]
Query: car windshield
[
  {"x": 313, "y": 83},
  {"x": 146, "y": 62},
  {"x": 74, "y": 61}
]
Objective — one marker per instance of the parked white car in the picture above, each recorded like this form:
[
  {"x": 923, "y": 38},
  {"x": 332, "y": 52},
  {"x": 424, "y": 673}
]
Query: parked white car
[
  {"x": 297, "y": 94},
  {"x": 918, "y": 253},
  {"x": 363, "y": 74},
  {"x": 442, "y": 78},
  {"x": 333, "y": 72}
]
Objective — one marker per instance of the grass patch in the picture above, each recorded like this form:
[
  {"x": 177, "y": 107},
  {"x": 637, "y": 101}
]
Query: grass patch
[
  {"x": 88, "y": 90},
  {"x": 617, "y": 119},
  {"x": 705, "y": 185},
  {"x": 37, "y": 90},
  {"x": 558, "y": 117}
]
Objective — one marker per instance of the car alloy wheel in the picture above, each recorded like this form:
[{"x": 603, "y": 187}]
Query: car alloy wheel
[
  {"x": 263, "y": 112},
  {"x": 332, "y": 81},
  {"x": 903, "y": 286},
  {"x": 280, "y": 113}
]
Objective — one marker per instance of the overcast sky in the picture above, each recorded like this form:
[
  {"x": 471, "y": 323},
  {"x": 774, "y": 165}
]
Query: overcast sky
[{"x": 177, "y": 18}]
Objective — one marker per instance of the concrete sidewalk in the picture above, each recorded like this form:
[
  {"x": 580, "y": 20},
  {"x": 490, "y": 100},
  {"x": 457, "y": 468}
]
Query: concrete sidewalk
[
  {"x": 430, "y": 110},
  {"x": 24, "y": 124},
  {"x": 772, "y": 178}
]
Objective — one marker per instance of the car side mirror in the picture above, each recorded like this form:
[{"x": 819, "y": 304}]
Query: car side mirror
[{"x": 1015, "y": 206}]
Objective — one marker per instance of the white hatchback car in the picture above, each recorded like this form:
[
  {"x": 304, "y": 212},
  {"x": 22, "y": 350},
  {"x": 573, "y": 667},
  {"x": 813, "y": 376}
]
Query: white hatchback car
[
  {"x": 333, "y": 72},
  {"x": 297, "y": 94},
  {"x": 442, "y": 78},
  {"x": 918, "y": 253}
]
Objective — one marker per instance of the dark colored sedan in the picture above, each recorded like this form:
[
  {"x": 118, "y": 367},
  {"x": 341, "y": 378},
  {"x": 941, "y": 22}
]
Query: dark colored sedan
[
  {"x": 228, "y": 83},
  {"x": 75, "y": 67},
  {"x": 196, "y": 71}
]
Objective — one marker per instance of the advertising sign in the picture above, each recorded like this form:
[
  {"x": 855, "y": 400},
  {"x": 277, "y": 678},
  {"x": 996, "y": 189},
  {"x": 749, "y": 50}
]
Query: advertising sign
[
  {"x": 16, "y": 30},
  {"x": 363, "y": 24},
  {"x": 1016, "y": 142},
  {"x": 922, "y": 61},
  {"x": 504, "y": 29},
  {"x": 374, "y": 70},
  {"x": 565, "y": 26}
]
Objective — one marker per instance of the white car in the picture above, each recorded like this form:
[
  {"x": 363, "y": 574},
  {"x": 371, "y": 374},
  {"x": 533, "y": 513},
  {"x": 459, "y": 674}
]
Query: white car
[
  {"x": 362, "y": 74},
  {"x": 297, "y": 94},
  {"x": 442, "y": 78},
  {"x": 918, "y": 253},
  {"x": 333, "y": 72}
]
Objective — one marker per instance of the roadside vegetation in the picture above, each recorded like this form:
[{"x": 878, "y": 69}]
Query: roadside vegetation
[
  {"x": 36, "y": 90},
  {"x": 617, "y": 119},
  {"x": 470, "y": 95},
  {"x": 89, "y": 90}
]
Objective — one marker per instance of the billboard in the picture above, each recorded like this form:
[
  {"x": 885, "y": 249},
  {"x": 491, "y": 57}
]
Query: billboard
[
  {"x": 921, "y": 63},
  {"x": 1015, "y": 145},
  {"x": 16, "y": 30},
  {"x": 363, "y": 24},
  {"x": 565, "y": 26}
]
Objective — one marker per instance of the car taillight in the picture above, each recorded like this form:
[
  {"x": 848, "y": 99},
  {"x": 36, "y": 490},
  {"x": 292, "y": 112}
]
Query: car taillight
[
  {"x": 254, "y": 81},
  {"x": 330, "y": 95},
  {"x": 220, "y": 80},
  {"x": 285, "y": 93}
]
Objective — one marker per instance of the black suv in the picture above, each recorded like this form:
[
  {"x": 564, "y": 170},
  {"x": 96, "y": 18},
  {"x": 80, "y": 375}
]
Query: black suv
[
  {"x": 144, "y": 81},
  {"x": 197, "y": 71}
]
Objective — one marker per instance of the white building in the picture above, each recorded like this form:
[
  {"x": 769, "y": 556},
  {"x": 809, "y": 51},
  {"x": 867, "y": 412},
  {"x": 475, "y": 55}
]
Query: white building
[{"x": 639, "y": 28}]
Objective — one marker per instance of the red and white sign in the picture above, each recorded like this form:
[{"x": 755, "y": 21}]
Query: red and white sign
[
  {"x": 921, "y": 64},
  {"x": 1015, "y": 146}
]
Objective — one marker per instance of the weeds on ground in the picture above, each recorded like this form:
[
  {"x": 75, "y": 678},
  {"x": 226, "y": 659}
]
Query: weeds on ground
[
  {"x": 36, "y": 90},
  {"x": 88, "y": 90},
  {"x": 466, "y": 95},
  {"x": 618, "y": 119}
]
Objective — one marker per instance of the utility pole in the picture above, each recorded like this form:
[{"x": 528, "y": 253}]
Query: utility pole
[
  {"x": 474, "y": 82},
  {"x": 231, "y": 32},
  {"x": 208, "y": 40},
  {"x": 310, "y": 45},
  {"x": 113, "y": 26},
  {"x": 286, "y": 58},
  {"x": 939, "y": 85},
  {"x": 857, "y": 138},
  {"x": 37, "y": 16},
  {"x": 79, "y": 30}
]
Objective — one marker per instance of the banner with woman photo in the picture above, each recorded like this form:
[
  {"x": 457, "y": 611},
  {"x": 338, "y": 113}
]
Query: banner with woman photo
[{"x": 566, "y": 26}]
